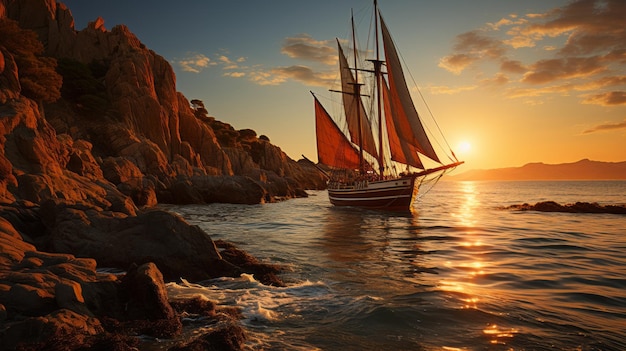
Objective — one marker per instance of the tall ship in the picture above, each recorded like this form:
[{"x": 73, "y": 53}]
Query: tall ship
[{"x": 385, "y": 155}]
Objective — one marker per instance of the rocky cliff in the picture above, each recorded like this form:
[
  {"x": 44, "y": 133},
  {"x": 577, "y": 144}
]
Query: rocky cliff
[
  {"x": 120, "y": 98},
  {"x": 82, "y": 165}
]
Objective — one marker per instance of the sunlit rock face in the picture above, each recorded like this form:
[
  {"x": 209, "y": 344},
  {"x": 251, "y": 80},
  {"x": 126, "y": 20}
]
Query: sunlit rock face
[{"x": 154, "y": 125}]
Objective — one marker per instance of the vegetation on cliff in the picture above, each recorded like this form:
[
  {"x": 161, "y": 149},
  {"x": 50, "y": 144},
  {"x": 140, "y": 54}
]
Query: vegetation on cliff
[{"x": 37, "y": 75}]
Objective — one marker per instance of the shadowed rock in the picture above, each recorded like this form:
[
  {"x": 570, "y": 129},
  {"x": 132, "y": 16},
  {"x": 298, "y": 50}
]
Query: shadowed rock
[
  {"x": 179, "y": 250},
  {"x": 578, "y": 207}
]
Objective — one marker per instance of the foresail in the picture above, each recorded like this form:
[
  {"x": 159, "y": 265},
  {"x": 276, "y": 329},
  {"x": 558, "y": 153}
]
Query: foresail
[
  {"x": 401, "y": 151},
  {"x": 333, "y": 148},
  {"x": 354, "y": 110},
  {"x": 408, "y": 124}
]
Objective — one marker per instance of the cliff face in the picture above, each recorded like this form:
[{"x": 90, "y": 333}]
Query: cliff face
[
  {"x": 75, "y": 175},
  {"x": 144, "y": 120}
]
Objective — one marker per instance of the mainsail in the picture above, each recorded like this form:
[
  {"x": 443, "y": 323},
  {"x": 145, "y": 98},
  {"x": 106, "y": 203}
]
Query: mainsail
[
  {"x": 406, "y": 119},
  {"x": 401, "y": 151}
]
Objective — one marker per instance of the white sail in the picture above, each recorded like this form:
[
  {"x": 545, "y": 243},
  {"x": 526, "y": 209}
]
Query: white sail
[{"x": 358, "y": 123}]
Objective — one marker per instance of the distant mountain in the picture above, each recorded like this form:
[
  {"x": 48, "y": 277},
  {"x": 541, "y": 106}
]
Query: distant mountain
[{"x": 581, "y": 170}]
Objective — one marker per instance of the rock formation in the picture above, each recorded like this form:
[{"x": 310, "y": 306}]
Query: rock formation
[
  {"x": 578, "y": 207},
  {"x": 141, "y": 117},
  {"x": 81, "y": 175}
]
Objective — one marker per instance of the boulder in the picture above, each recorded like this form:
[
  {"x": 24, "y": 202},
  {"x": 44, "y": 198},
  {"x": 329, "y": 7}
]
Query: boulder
[
  {"x": 46, "y": 332},
  {"x": 147, "y": 305},
  {"x": 178, "y": 249},
  {"x": 233, "y": 189},
  {"x": 226, "y": 337},
  {"x": 118, "y": 170}
]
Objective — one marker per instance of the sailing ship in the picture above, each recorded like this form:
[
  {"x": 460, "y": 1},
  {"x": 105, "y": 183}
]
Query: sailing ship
[{"x": 363, "y": 171}]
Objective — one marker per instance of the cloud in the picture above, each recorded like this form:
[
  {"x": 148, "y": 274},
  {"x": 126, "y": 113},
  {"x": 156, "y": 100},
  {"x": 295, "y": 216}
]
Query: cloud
[
  {"x": 457, "y": 63},
  {"x": 610, "y": 98},
  {"x": 235, "y": 74},
  {"x": 302, "y": 74},
  {"x": 194, "y": 63},
  {"x": 499, "y": 79},
  {"x": 606, "y": 127},
  {"x": 512, "y": 66},
  {"x": 227, "y": 63},
  {"x": 546, "y": 71},
  {"x": 450, "y": 90},
  {"x": 304, "y": 47},
  {"x": 577, "y": 47},
  {"x": 321, "y": 53}
]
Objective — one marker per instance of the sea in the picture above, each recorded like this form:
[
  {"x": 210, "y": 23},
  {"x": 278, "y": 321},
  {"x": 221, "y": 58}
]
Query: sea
[{"x": 462, "y": 272}]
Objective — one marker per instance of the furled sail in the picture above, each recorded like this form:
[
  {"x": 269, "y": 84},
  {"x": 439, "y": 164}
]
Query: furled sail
[
  {"x": 407, "y": 124},
  {"x": 333, "y": 148},
  {"x": 358, "y": 123},
  {"x": 401, "y": 151}
]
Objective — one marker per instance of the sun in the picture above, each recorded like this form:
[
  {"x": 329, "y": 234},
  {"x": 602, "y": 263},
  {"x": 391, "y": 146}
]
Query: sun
[{"x": 464, "y": 147}]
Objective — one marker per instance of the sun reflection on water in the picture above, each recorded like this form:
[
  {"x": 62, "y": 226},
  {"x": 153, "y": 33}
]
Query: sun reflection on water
[
  {"x": 468, "y": 270},
  {"x": 497, "y": 334},
  {"x": 473, "y": 264},
  {"x": 469, "y": 205}
]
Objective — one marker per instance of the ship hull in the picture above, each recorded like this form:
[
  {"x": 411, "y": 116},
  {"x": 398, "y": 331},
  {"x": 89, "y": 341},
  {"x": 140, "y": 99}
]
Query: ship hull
[{"x": 393, "y": 194}]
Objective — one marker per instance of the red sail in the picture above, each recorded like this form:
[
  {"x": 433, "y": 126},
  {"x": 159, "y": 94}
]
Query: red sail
[
  {"x": 401, "y": 151},
  {"x": 408, "y": 123},
  {"x": 333, "y": 148}
]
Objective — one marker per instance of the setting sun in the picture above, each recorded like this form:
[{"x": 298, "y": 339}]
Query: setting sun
[{"x": 464, "y": 147}]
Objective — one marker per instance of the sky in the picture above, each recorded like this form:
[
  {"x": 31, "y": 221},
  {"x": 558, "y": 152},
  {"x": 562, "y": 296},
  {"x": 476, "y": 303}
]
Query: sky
[{"x": 509, "y": 82}]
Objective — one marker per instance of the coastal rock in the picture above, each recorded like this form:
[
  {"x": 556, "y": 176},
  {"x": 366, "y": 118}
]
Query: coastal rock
[
  {"x": 265, "y": 273},
  {"x": 178, "y": 249},
  {"x": 578, "y": 207},
  {"x": 81, "y": 161},
  {"x": 142, "y": 191},
  {"x": 144, "y": 119},
  {"x": 9, "y": 81},
  {"x": 229, "y": 189},
  {"x": 227, "y": 337},
  {"x": 47, "y": 331},
  {"x": 42, "y": 294},
  {"x": 147, "y": 302},
  {"x": 119, "y": 170}
]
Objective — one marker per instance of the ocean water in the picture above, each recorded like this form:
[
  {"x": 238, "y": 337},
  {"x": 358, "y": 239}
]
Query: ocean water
[{"x": 460, "y": 273}]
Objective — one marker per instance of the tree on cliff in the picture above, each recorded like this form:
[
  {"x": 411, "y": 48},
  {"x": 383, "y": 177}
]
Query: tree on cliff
[{"x": 38, "y": 77}]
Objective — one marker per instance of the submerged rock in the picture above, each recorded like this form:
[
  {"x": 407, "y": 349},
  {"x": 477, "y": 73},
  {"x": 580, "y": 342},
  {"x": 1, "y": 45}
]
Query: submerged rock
[{"x": 578, "y": 207}]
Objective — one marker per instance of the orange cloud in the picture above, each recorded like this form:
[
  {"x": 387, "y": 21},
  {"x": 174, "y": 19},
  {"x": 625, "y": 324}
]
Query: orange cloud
[
  {"x": 322, "y": 53},
  {"x": 304, "y": 47},
  {"x": 584, "y": 45},
  {"x": 499, "y": 79},
  {"x": 194, "y": 63},
  {"x": 610, "y": 98},
  {"x": 606, "y": 126},
  {"x": 456, "y": 63},
  {"x": 545, "y": 71},
  {"x": 449, "y": 90},
  {"x": 512, "y": 66}
]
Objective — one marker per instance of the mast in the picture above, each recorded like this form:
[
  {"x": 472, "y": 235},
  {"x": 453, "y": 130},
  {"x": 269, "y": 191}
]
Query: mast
[
  {"x": 357, "y": 94},
  {"x": 377, "y": 78}
]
